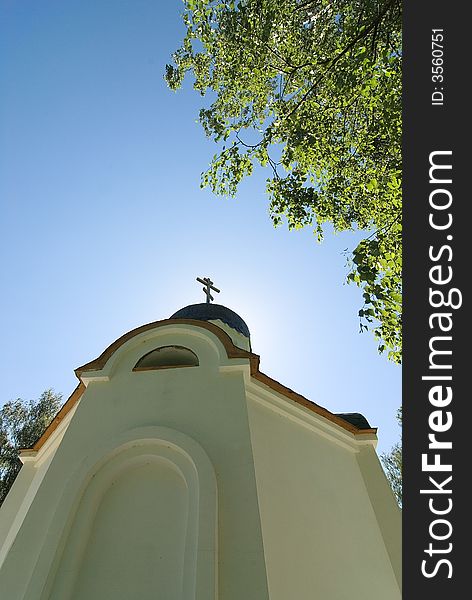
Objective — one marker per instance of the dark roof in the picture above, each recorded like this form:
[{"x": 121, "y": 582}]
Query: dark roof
[
  {"x": 210, "y": 312},
  {"x": 355, "y": 419}
]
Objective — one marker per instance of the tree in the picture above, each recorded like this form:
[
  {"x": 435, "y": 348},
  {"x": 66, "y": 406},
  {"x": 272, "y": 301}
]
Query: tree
[
  {"x": 392, "y": 462},
  {"x": 21, "y": 424},
  {"x": 312, "y": 91}
]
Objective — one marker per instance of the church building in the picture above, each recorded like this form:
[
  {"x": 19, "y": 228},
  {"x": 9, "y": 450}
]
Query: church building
[{"x": 177, "y": 470}]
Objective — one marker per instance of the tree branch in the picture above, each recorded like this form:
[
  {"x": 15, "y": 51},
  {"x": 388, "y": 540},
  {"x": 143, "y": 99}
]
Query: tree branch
[{"x": 337, "y": 58}]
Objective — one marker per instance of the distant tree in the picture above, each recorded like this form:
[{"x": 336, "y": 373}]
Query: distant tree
[
  {"x": 21, "y": 424},
  {"x": 312, "y": 90},
  {"x": 392, "y": 462}
]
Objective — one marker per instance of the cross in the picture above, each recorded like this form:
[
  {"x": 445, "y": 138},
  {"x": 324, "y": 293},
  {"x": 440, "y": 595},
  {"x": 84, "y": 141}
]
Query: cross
[{"x": 208, "y": 283}]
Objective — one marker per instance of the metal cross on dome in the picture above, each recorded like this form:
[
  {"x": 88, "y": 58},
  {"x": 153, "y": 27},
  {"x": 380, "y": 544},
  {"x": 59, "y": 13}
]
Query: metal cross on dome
[{"x": 208, "y": 283}]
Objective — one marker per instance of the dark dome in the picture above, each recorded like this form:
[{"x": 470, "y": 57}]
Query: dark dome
[
  {"x": 210, "y": 312},
  {"x": 355, "y": 419}
]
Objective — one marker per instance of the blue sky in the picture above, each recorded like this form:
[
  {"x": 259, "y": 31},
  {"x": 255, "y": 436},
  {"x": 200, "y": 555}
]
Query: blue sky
[{"x": 104, "y": 227}]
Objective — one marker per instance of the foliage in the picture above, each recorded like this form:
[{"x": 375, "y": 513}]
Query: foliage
[
  {"x": 311, "y": 90},
  {"x": 392, "y": 463},
  {"x": 21, "y": 424}
]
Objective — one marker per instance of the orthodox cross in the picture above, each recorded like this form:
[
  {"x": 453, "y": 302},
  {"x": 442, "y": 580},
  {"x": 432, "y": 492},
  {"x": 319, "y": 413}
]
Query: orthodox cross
[{"x": 208, "y": 283}]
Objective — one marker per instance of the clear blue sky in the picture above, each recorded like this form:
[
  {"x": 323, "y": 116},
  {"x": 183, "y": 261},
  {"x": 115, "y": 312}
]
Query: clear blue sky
[{"x": 104, "y": 227}]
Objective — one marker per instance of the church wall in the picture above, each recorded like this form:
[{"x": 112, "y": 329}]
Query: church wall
[
  {"x": 385, "y": 506},
  {"x": 202, "y": 403},
  {"x": 321, "y": 536},
  {"x": 241, "y": 500},
  {"x": 23, "y": 491},
  {"x": 15, "y": 505}
]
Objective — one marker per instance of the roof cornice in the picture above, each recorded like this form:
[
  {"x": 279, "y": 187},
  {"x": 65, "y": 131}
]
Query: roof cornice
[{"x": 232, "y": 351}]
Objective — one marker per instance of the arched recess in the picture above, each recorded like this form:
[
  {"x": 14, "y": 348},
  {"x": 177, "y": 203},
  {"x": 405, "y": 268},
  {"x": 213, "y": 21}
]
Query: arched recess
[
  {"x": 143, "y": 524},
  {"x": 167, "y": 357}
]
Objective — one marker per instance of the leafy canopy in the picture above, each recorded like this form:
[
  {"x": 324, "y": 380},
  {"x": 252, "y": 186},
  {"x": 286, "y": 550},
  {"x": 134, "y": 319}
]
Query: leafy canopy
[
  {"x": 21, "y": 424},
  {"x": 311, "y": 90}
]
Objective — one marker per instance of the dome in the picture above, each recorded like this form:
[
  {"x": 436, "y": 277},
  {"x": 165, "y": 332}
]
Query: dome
[
  {"x": 355, "y": 419},
  {"x": 212, "y": 312}
]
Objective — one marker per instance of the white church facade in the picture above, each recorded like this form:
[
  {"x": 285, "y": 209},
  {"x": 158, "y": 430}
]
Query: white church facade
[{"x": 178, "y": 471}]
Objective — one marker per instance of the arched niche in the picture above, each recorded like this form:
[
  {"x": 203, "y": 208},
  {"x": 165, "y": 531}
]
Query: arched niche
[
  {"x": 167, "y": 357},
  {"x": 143, "y": 525}
]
